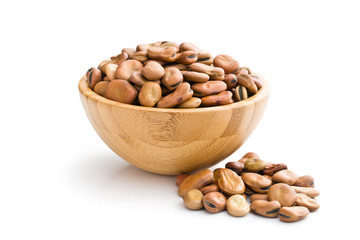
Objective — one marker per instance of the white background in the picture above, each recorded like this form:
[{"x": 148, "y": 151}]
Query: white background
[{"x": 58, "y": 180}]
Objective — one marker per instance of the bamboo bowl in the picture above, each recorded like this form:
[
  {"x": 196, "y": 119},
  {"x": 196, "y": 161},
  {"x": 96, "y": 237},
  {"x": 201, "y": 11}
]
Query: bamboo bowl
[{"x": 173, "y": 141}]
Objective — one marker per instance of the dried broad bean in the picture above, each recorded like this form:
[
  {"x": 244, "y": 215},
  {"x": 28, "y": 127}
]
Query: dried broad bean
[
  {"x": 237, "y": 167},
  {"x": 210, "y": 188},
  {"x": 193, "y": 199},
  {"x": 306, "y": 201},
  {"x": 121, "y": 91},
  {"x": 193, "y": 102},
  {"x": 94, "y": 76},
  {"x": 197, "y": 180},
  {"x": 266, "y": 208},
  {"x": 309, "y": 191},
  {"x": 195, "y": 76},
  {"x": 283, "y": 193},
  {"x": 228, "y": 181},
  {"x": 258, "y": 196},
  {"x": 214, "y": 202},
  {"x": 150, "y": 94},
  {"x": 188, "y": 46},
  {"x": 153, "y": 71},
  {"x": 285, "y": 176},
  {"x": 208, "y": 88},
  {"x": 293, "y": 214},
  {"x": 163, "y": 54},
  {"x": 215, "y": 73},
  {"x": 126, "y": 69},
  {"x": 100, "y": 88},
  {"x": 221, "y": 98},
  {"x": 205, "y": 57},
  {"x": 305, "y": 181},
  {"x": 172, "y": 78},
  {"x": 187, "y": 57},
  {"x": 227, "y": 63},
  {"x": 272, "y": 168},
  {"x": 237, "y": 206},
  {"x": 254, "y": 165},
  {"x": 181, "y": 94}
]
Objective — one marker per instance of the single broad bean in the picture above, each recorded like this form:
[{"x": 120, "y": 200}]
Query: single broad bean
[
  {"x": 181, "y": 177},
  {"x": 126, "y": 69},
  {"x": 309, "y": 191},
  {"x": 150, "y": 94},
  {"x": 153, "y": 71},
  {"x": 227, "y": 63},
  {"x": 266, "y": 208},
  {"x": 100, "y": 88},
  {"x": 249, "y": 155},
  {"x": 187, "y": 57},
  {"x": 237, "y": 206},
  {"x": 205, "y": 57},
  {"x": 138, "y": 79},
  {"x": 172, "y": 78},
  {"x": 129, "y": 51},
  {"x": 240, "y": 93},
  {"x": 283, "y": 193},
  {"x": 237, "y": 167},
  {"x": 228, "y": 181},
  {"x": 193, "y": 199},
  {"x": 222, "y": 98},
  {"x": 305, "y": 181},
  {"x": 272, "y": 168},
  {"x": 197, "y": 180},
  {"x": 188, "y": 46},
  {"x": 247, "y": 81},
  {"x": 110, "y": 70},
  {"x": 208, "y": 88},
  {"x": 231, "y": 81},
  {"x": 163, "y": 54},
  {"x": 140, "y": 56},
  {"x": 285, "y": 176},
  {"x": 121, "y": 91},
  {"x": 258, "y": 196},
  {"x": 210, "y": 188},
  {"x": 181, "y": 94},
  {"x": 308, "y": 202},
  {"x": 254, "y": 165},
  {"x": 195, "y": 76},
  {"x": 94, "y": 77},
  {"x": 215, "y": 73},
  {"x": 293, "y": 214},
  {"x": 214, "y": 202},
  {"x": 193, "y": 102},
  {"x": 257, "y": 182}
]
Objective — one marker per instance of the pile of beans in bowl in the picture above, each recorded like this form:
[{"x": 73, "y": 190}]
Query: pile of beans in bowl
[{"x": 167, "y": 75}]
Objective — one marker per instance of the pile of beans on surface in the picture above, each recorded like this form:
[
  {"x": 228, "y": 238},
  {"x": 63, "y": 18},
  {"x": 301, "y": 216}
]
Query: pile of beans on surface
[
  {"x": 167, "y": 75},
  {"x": 273, "y": 190}
]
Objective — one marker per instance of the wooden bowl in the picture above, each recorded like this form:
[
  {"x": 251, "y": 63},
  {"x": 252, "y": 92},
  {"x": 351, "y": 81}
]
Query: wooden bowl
[{"x": 173, "y": 141}]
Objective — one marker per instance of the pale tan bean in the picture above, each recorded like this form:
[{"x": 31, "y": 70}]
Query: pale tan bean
[
  {"x": 140, "y": 56},
  {"x": 283, "y": 193},
  {"x": 228, "y": 181},
  {"x": 265, "y": 208},
  {"x": 258, "y": 196},
  {"x": 208, "y": 88},
  {"x": 214, "y": 202},
  {"x": 127, "y": 68},
  {"x": 193, "y": 199},
  {"x": 305, "y": 181},
  {"x": 293, "y": 214},
  {"x": 163, "y": 54},
  {"x": 227, "y": 63},
  {"x": 196, "y": 181},
  {"x": 308, "y": 202},
  {"x": 249, "y": 155},
  {"x": 222, "y": 98},
  {"x": 193, "y": 102},
  {"x": 215, "y": 73},
  {"x": 231, "y": 81},
  {"x": 150, "y": 94},
  {"x": 94, "y": 77},
  {"x": 110, "y": 70},
  {"x": 181, "y": 94},
  {"x": 187, "y": 57},
  {"x": 237, "y": 206},
  {"x": 285, "y": 176},
  {"x": 254, "y": 165},
  {"x": 309, "y": 191},
  {"x": 121, "y": 91},
  {"x": 210, "y": 188},
  {"x": 172, "y": 78},
  {"x": 100, "y": 88},
  {"x": 188, "y": 46},
  {"x": 205, "y": 57},
  {"x": 153, "y": 71},
  {"x": 240, "y": 93},
  {"x": 195, "y": 76}
]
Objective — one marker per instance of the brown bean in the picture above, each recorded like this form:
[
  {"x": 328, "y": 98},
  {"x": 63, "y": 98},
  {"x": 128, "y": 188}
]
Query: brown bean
[
  {"x": 208, "y": 88},
  {"x": 94, "y": 77},
  {"x": 100, "y": 88},
  {"x": 180, "y": 178},
  {"x": 145, "y": 47},
  {"x": 249, "y": 155},
  {"x": 187, "y": 57},
  {"x": 258, "y": 196},
  {"x": 292, "y": 214},
  {"x": 119, "y": 58},
  {"x": 272, "y": 168},
  {"x": 257, "y": 81},
  {"x": 193, "y": 102},
  {"x": 164, "y": 54},
  {"x": 308, "y": 202},
  {"x": 285, "y": 176},
  {"x": 228, "y": 181},
  {"x": 188, "y": 46},
  {"x": 210, "y": 188},
  {"x": 196, "y": 181},
  {"x": 235, "y": 166},
  {"x": 215, "y": 73},
  {"x": 181, "y": 94},
  {"x": 127, "y": 68},
  {"x": 305, "y": 181},
  {"x": 247, "y": 81},
  {"x": 254, "y": 165},
  {"x": 265, "y": 208},
  {"x": 162, "y": 63},
  {"x": 121, "y": 91},
  {"x": 172, "y": 78},
  {"x": 283, "y": 193},
  {"x": 256, "y": 181},
  {"x": 222, "y": 98},
  {"x": 227, "y": 63},
  {"x": 240, "y": 93},
  {"x": 138, "y": 79},
  {"x": 195, "y": 76},
  {"x": 309, "y": 191},
  {"x": 166, "y": 44},
  {"x": 214, "y": 202},
  {"x": 110, "y": 70},
  {"x": 128, "y": 51},
  {"x": 102, "y": 65},
  {"x": 153, "y": 71},
  {"x": 150, "y": 94},
  {"x": 181, "y": 67},
  {"x": 205, "y": 57},
  {"x": 231, "y": 81},
  {"x": 140, "y": 56}
]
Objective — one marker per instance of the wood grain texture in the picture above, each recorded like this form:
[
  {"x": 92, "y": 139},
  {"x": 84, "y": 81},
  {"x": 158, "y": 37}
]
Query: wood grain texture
[{"x": 173, "y": 141}]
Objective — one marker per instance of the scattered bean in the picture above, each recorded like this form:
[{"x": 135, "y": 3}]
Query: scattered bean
[
  {"x": 214, "y": 202},
  {"x": 193, "y": 199},
  {"x": 309, "y": 191},
  {"x": 265, "y": 208},
  {"x": 228, "y": 181},
  {"x": 293, "y": 214},
  {"x": 305, "y": 181},
  {"x": 210, "y": 188},
  {"x": 283, "y": 193},
  {"x": 237, "y": 206},
  {"x": 306, "y": 201},
  {"x": 285, "y": 176},
  {"x": 197, "y": 180}
]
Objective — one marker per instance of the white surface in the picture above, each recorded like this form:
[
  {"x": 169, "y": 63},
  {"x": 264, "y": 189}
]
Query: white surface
[{"x": 58, "y": 180}]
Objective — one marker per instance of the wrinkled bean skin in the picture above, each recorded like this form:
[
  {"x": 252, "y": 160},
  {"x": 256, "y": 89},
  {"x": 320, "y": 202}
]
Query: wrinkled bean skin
[
  {"x": 196, "y": 181},
  {"x": 256, "y": 181},
  {"x": 285, "y": 176},
  {"x": 208, "y": 88},
  {"x": 231, "y": 81},
  {"x": 247, "y": 81},
  {"x": 172, "y": 78},
  {"x": 228, "y": 181},
  {"x": 140, "y": 56},
  {"x": 163, "y": 54},
  {"x": 110, "y": 70},
  {"x": 305, "y": 181},
  {"x": 309, "y": 191},
  {"x": 94, "y": 76},
  {"x": 193, "y": 199},
  {"x": 222, "y": 98},
  {"x": 180, "y": 178},
  {"x": 153, "y": 71},
  {"x": 266, "y": 208},
  {"x": 308, "y": 202},
  {"x": 283, "y": 193},
  {"x": 188, "y": 46},
  {"x": 181, "y": 94},
  {"x": 272, "y": 168},
  {"x": 215, "y": 73},
  {"x": 193, "y": 102},
  {"x": 126, "y": 69},
  {"x": 187, "y": 57},
  {"x": 214, "y": 202},
  {"x": 121, "y": 91},
  {"x": 100, "y": 88},
  {"x": 150, "y": 94},
  {"x": 237, "y": 167},
  {"x": 195, "y": 76},
  {"x": 249, "y": 155},
  {"x": 227, "y": 63},
  {"x": 240, "y": 93},
  {"x": 205, "y": 57},
  {"x": 254, "y": 165},
  {"x": 293, "y": 214},
  {"x": 210, "y": 188},
  {"x": 258, "y": 196},
  {"x": 237, "y": 206}
]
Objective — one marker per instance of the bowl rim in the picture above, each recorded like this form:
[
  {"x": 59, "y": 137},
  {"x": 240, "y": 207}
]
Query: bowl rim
[{"x": 261, "y": 94}]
